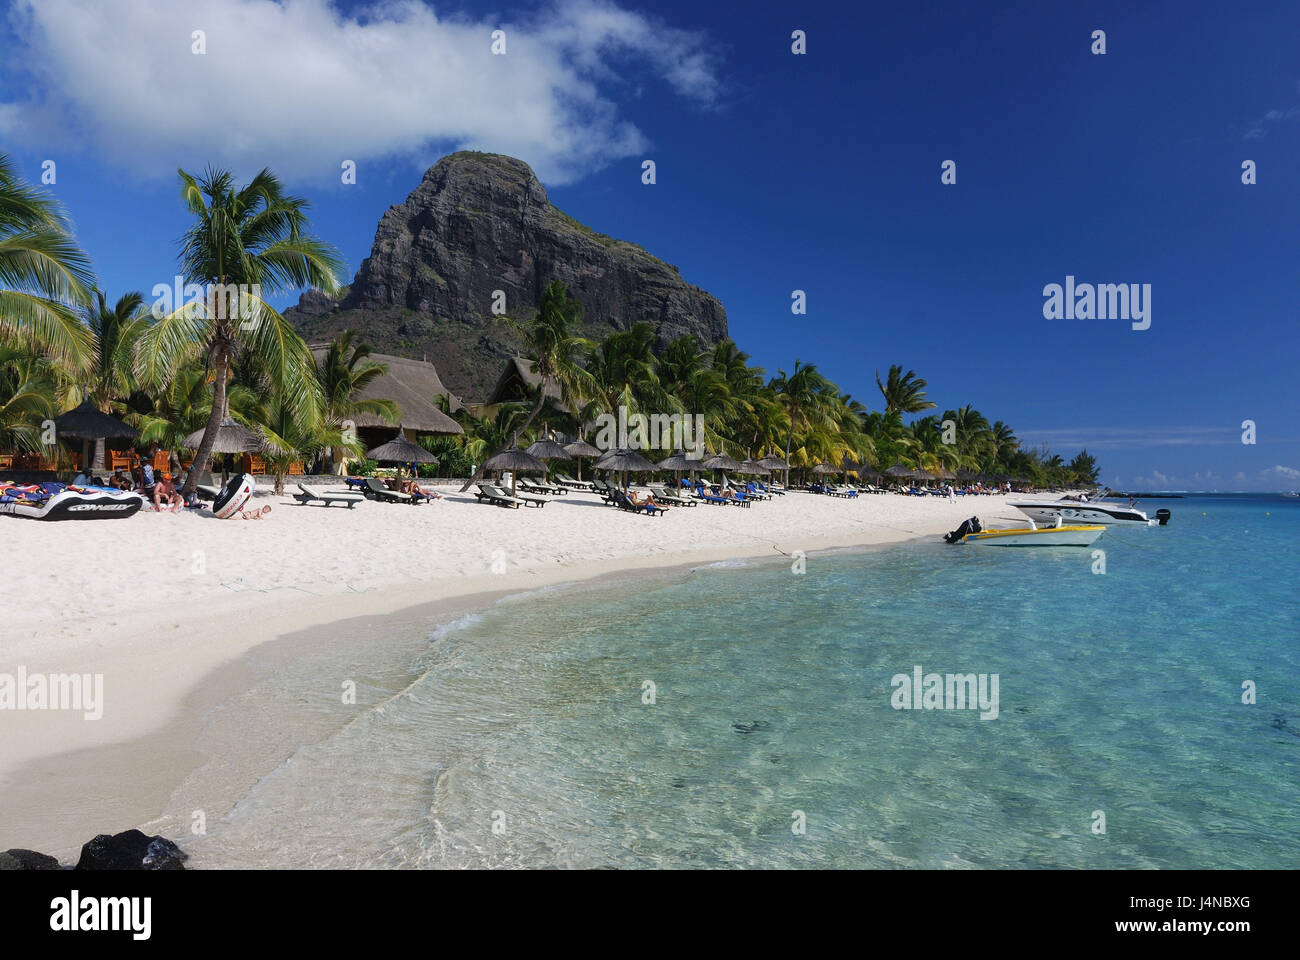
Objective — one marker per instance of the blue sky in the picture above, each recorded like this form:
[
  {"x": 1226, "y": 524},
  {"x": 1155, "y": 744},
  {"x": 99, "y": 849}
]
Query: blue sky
[{"x": 775, "y": 172}]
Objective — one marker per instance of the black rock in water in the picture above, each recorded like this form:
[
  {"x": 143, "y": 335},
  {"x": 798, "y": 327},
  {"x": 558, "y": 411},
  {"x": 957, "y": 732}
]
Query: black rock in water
[
  {"x": 131, "y": 850},
  {"x": 478, "y": 223},
  {"x": 18, "y": 859}
]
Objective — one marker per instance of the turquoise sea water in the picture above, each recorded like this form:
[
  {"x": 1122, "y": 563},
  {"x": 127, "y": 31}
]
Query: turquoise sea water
[{"x": 1118, "y": 692}]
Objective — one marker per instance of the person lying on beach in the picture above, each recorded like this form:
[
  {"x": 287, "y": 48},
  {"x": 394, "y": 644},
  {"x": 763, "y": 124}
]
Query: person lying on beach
[
  {"x": 648, "y": 501},
  {"x": 414, "y": 489},
  {"x": 255, "y": 514},
  {"x": 163, "y": 491}
]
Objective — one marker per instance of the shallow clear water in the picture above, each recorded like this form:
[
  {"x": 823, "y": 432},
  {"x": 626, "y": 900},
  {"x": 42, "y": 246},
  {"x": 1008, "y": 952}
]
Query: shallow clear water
[{"x": 1118, "y": 693}]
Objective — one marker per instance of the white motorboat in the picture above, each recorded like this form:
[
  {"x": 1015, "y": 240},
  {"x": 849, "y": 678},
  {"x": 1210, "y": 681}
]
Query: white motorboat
[
  {"x": 1087, "y": 512},
  {"x": 1055, "y": 535}
]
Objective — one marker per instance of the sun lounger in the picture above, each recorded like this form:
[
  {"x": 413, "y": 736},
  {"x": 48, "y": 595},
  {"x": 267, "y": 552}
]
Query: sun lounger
[
  {"x": 326, "y": 497},
  {"x": 377, "y": 491},
  {"x": 502, "y": 496},
  {"x": 715, "y": 499},
  {"x": 624, "y": 502},
  {"x": 534, "y": 487},
  {"x": 751, "y": 491},
  {"x": 486, "y": 496},
  {"x": 564, "y": 480},
  {"x": 667, "y": 496}
]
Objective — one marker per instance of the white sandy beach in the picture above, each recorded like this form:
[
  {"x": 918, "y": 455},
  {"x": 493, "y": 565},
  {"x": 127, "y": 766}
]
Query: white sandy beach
[{"x": 158, "y": 602}]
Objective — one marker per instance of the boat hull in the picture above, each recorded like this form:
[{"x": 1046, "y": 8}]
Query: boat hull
[
  {"x": 1046, "y": 511},
  {"x": 57, "y": 502},
  {"x": 1072, "y": 536}
]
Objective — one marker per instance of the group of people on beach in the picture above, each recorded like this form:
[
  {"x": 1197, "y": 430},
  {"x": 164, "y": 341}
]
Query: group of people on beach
[{"x": 158, "y": 488}]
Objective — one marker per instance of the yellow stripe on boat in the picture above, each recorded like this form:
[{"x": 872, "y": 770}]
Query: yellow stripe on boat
[{"x": 988, "y": 534}]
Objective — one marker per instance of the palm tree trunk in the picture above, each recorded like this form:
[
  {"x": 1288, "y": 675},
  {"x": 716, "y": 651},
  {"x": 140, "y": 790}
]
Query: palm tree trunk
[
  {"x": 203, "y": 455},
  {"x": 514, "y": 440},
  {"x": 789, "y": 439}
]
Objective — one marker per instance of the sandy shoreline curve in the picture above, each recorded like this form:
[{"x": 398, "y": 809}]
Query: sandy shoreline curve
[{"x": 171, "y": 619}]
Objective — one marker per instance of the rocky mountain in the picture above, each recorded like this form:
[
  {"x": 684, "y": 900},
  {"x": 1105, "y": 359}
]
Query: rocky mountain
[{"x": 479, "y": 223}]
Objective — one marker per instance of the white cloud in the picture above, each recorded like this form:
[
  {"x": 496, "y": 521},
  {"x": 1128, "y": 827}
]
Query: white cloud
[
  {"x": 1280, "y": 472},
  {"x": 1123, "y": 438},
  {"x": 300, "y": 86}
]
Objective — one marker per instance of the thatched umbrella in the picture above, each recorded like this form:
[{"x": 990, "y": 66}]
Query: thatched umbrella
[
  {"x": 773, "y": 462},
  {"x": 231, "y": 437},
  {"x": 85, "y": 423},
  {"x": 965, "y": 473},
  {"x": 754, "y": 467},
  {"x": 720, "y": 461},
  {"x": 624, "y": 459},
  {"x": 516, "y": 461},
  {"x": 825, "y": 469},
  {"x": 579, "y": 449},
  {"x": 678, "y": 462},
  {"x": 400, "y": 451},
  {"x": 548, "y": 449}
]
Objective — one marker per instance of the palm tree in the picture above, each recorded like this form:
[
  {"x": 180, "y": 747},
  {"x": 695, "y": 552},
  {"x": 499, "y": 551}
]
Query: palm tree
[
  {"x": 904, "y": 392},
  {"x": 116, "y": 331},
  {"x": 251, "y": 237},
  {"x": 44, "y": 278},
  {"x": 555, "y": 351},
  {"x": 344, "y": 373},
  {"x": 803, "y": 394},
  {"x": 27, "y": 398},
  {"x": 1005, "y": 444},
  {"x": 623, "y": 370},
  {"x": 288, "y": 439}
]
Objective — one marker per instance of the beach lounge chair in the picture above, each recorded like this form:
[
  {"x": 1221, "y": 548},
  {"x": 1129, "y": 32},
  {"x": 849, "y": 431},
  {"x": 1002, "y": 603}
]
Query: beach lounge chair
[
  {"x": 500, "y": 494},
  {"x": 751, "y": 491},
  {"x": 377, "y": 491},
  {"x": 564, "y": 480},
  {"x": 606, "y": 490},
  {"x": 486, "y": 495},
  {"x": 533, "y": 487},
  {"x": 736, "y": 501},
  {"x": 624, "y": 502},
  {"x": 326, "y": 497},
  {"x": 667, "y": 496}
]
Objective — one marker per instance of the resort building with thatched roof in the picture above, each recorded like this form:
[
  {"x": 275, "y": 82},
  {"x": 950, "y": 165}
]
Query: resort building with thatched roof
[
  {"x": 517, "y": 384},
  {"x": 414, "y": 385}
]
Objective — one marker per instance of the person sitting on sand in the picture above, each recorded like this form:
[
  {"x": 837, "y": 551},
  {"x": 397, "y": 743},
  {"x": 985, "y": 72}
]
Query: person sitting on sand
[
  {"x": 163, "y": 491},
  {"x": 84, "y": 478},
  {"x": 119, "y": 480}
]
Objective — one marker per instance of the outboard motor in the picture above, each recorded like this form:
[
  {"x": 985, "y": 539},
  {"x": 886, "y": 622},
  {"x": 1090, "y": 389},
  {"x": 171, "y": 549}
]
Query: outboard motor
[
  {"x": 972, "y": 525},
  {"x": 1163, "y": 516}
]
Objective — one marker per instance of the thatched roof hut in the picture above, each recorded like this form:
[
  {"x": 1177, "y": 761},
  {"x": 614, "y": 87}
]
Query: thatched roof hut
[
  {"x": 517, "y": 383},
  {"x": 414, "y": 385}
]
